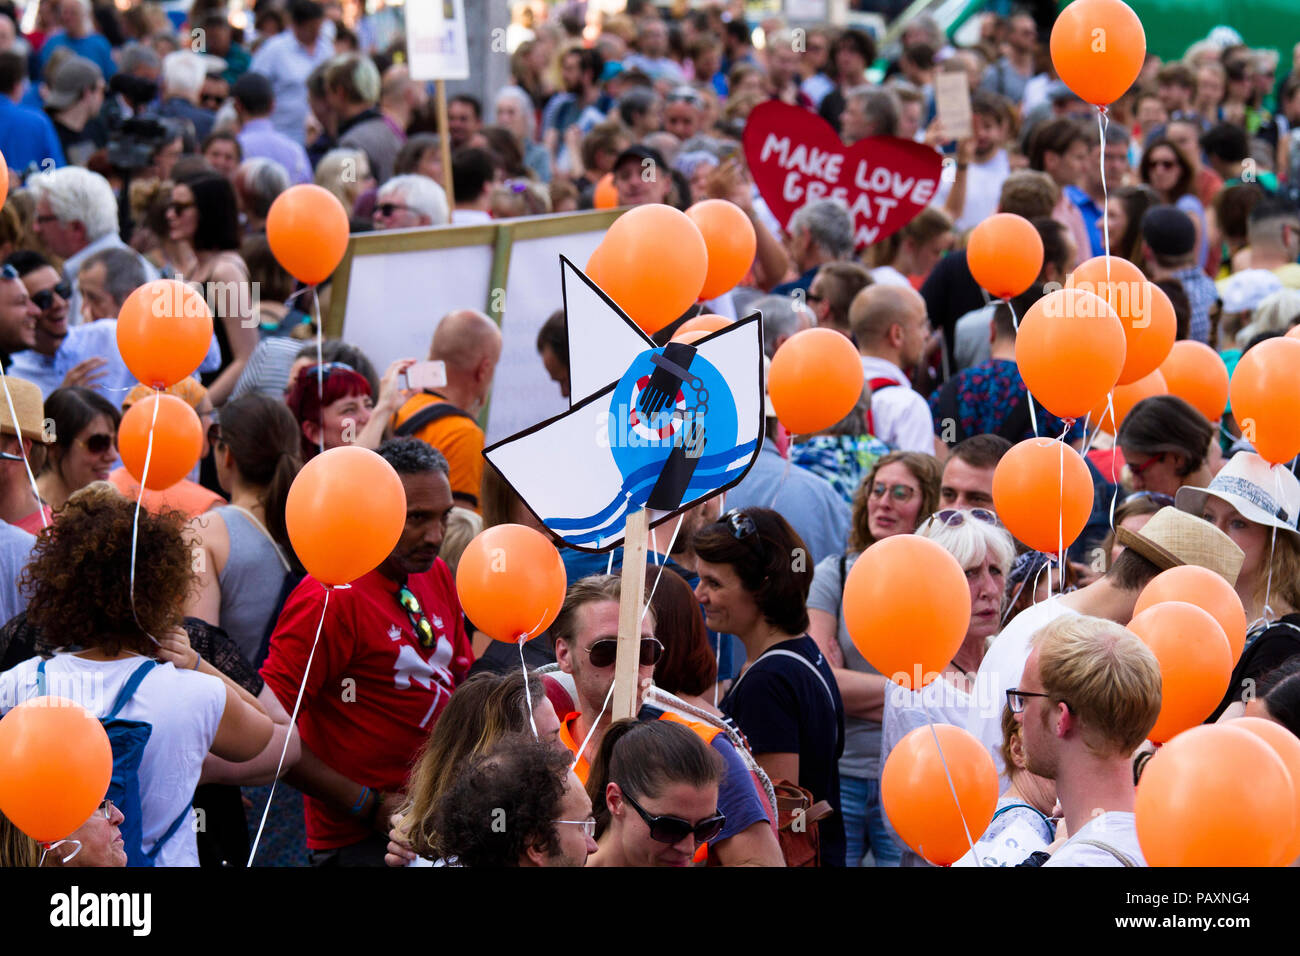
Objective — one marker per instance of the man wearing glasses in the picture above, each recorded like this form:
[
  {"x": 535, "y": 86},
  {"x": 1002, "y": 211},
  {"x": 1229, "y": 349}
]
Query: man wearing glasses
[
  {"x": 1089, "y": 696},
  {"x": 586, "y": 642},
  {"x": 392, "y": 650}
]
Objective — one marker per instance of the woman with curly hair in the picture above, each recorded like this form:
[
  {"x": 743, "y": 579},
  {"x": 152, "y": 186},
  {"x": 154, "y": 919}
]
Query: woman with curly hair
[{"x": 79, "y": 587}]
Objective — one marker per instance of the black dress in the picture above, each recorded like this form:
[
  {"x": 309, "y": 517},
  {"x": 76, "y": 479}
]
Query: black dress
[{"x": 1272, "y": 647}]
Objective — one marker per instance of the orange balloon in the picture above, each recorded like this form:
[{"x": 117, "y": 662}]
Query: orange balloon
[
  {"x": 815, "y": 380},
  {"x": 4, "y": 178},
  {"x": 653, "y": 263},
  {"x": 690, "y": 337},
  {"x": 707, "y": 323},
  {"x": 1144, "y": 311},
  {"x": 729, "y": 236},
  {"x": 1098, "y": 47},
  {"x": 907, "y": 608},
  {"x": 345, "y": 513},
  {"x": 605, "y": 195},
  {"x": 177, "y": 440},
  {"x": 1070, "y": 349},
  {"x": 1208, "y": 591},
  {"x": 1031, "y": 500},
  {"x": 1215, "y": 795},
  {"x": 57, "y": 762},
  {"x": 511, "y": 582},
  {"x": 918, "y": 798},
  {"x": 1287, "y": 746},
  {"x": 1195, "y": 663},
  {"x": 1195, "y": 373},
  {"x": 164, "y": 329},
  {"x": 307, "y": 228},
  {"x": 1124, "y": 397},
  {"x": 1005, "y": 254},
  {"x": 1265, "y": 399}
]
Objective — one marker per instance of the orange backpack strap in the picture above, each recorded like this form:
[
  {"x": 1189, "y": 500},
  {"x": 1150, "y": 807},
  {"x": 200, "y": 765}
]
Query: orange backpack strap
[{"x": 706, "y": 732}]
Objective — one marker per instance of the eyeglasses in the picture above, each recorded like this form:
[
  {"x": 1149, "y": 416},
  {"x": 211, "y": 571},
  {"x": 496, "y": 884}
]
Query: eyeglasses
[
  {"x": 386, "y": 209},
  {"x": 106, "y": 808},
  {"x": 604, "y": 652},
  {"x": 1155, "y": 497},
  {"x": 99, "y": 443},
  {"x": 178, "y": 208},
  {"x": 411, "y": 604},
  {"x": 1016, "y": 699},
  {"x": 900, "y": 493},
  {"x": 955, "y": 518},
  {"x": 45, "y": 298},
  {"x": 588, "y": 825},
  {"x": 1139, "y": 470},
  {"x": 672, "y": 830}
]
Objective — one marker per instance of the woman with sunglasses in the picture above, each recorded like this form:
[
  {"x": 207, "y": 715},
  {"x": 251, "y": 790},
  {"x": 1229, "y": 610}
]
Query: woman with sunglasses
[
  {"x": 900, "y": 489},
  {"x": 1167, "y": 170},
  {"x": 654, "y": 794},
  {"x": 1168, "y": 444},
  {"x": 985, "y": 551},
  {"x": 245, "y": 545},
  {"x": 97, "y": 842},
  {"x": 754, "y": 581},
  {"x": 203, "y": 217},
  {"x": 84, "y": 448}
]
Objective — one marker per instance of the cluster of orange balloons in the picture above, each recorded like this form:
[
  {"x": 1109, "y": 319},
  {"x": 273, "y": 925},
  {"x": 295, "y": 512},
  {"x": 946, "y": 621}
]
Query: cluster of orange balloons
[
  {"x": 1145, "y": 313},
  {"x": 307, "y": 229},
  {"x": 511, "y": 582},
  {"x": 918, "y": 797},
  {"x": 57, "y": 764},
  {"x": 1265, "y": 399},
  {"x": 1222, "y": 795},
  {"x": 814, "y": 381},
  {"x": 345, "y": 513},
  {"x": 1098, "y": 47}
]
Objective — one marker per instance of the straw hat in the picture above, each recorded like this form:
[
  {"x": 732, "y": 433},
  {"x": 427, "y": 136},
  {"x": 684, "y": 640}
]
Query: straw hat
[
  {"x": 1258, "y": 491},
  {"x": 30, "y": 407},
  {"x": 1174, "y": 537}
]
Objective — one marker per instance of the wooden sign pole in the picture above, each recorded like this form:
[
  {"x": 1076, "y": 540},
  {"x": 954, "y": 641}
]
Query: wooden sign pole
[
  {"x": 630, "y": 610},
  {"x": 445, "y": 144}
]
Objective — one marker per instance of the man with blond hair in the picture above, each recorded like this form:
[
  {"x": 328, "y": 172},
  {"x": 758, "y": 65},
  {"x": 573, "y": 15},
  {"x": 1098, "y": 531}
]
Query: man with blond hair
[{"x": 1089, "y": 696}]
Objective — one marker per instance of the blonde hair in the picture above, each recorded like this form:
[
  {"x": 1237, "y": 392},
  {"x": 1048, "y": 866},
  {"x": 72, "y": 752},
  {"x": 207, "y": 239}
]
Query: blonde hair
[
  {"x": 1107, "y": 677},
  {"x": 330, "y": 170},
  {"x": 16, "y": 847},
  {"x": 462, "y": 526}
]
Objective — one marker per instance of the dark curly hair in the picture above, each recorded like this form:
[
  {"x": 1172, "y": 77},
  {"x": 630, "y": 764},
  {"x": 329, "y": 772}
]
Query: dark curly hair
[
  {"x": 521, "y": 778},
  {"x": 771, "y": 561},
  {"x": 79, "y": 578}
]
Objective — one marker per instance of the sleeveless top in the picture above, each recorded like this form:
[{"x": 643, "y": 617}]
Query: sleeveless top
[
  {"x": 219, "y": 313},
  {"x": 250, "y": 582}
]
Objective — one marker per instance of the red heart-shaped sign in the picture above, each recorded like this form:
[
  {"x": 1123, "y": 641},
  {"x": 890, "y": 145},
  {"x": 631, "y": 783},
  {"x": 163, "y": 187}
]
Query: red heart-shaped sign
[{"x": 796, "y": 157}]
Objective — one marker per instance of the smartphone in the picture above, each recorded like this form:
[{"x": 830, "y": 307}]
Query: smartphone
[{"x": 426, "y": 375}]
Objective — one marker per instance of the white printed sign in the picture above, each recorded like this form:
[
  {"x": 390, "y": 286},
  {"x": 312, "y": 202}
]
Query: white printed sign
[{"x": 436, "y": 48}]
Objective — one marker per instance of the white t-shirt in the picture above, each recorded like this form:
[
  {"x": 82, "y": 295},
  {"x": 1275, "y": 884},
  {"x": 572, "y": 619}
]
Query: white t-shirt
[
  {"x": 888, "y": 275},
  {"x": 983, "y": 190},
  {"x": 184, "y": 709},
  {"x": 900, "y": 415},
  {"x": 1001, "y": 670},
  {"x": 1115, "y": 829}
]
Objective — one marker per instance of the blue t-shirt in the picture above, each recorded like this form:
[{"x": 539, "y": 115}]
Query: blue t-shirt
[
  {"x": 787, "y": 706},
  {"x": 93, "y": 47},
  {"x": 27, "y": 136}
]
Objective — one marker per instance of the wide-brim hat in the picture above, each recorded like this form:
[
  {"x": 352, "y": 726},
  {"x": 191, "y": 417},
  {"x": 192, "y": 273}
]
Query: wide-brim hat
[
  {"x": 29, "y": 407},
  {"x": 1263, "y": 493},
  {"x": 1172, "y": 538}
]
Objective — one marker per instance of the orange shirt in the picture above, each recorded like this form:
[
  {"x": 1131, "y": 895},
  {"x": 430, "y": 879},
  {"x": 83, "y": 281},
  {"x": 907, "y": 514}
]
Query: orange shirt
[
  {"x": 583, "y": 766},
  {"x": 186, "y": 496},
  {"x": 461, "y": 442}
]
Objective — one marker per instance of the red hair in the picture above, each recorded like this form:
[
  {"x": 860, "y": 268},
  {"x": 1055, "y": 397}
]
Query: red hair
[{"x": 307, "y": 404}]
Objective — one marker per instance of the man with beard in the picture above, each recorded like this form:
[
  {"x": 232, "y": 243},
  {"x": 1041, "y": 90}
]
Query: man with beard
[
  {"x": 66, "y": 355},
  {"x": 1089, "y": 696},
  {"x": 576, "y": 107},
  {"x": 392, "y": 650}
]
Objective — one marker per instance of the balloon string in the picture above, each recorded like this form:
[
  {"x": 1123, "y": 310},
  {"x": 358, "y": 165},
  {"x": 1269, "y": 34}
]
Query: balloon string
[
  {"x": 293, "y": 722},
  {"x": 18, "y": 430},
  {"x": 594, "y": 724},
  {"x": 953, "y": 790},
  {"x": 1266, "y": 613},
  {"x": 320, "y": 365},
  {"x": 1060, "y": 517},
  {"x": 664, "y": 564},
  {"x": 1103, "y": 123},
  {"x": 528, "y": 692},
  {"x": 139, "y": 502},
  {"x": 609, "y": 568},
  {"x": 1033, "y": 417},
  {"x": 785, "y": 473}
]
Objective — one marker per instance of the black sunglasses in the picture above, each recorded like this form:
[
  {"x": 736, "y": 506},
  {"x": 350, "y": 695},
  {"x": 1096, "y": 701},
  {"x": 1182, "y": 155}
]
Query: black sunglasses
[
  {"x": 99, "y": 443},
  {"x": 45, "y": 298},
  {"x": 672, "y": 830},
  {"x": 604, "y": 652}
]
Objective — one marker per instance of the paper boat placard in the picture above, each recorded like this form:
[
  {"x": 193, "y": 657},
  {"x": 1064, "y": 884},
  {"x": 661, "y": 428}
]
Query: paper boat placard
[{"x": 660, "y": 428}]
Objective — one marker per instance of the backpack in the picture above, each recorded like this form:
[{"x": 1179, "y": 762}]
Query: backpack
[
  {"x": 427, "y": 416},
  {"x": 128, "y": 739}
]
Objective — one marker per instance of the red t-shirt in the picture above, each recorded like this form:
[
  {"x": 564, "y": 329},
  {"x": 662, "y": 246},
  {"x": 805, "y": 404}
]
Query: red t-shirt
[{"x": 374, "y": 693}]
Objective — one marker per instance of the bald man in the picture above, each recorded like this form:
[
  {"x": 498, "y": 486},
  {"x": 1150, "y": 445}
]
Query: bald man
[
  {"x": 469, "y": 344},
  {"x": 890, "y": 325}
]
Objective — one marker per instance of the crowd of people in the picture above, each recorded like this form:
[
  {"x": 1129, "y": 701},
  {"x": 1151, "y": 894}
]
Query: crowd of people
[{"x": 762, "y": 730}]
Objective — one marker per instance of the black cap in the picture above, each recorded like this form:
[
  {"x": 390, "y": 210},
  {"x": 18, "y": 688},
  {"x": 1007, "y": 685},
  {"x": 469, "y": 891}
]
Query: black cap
[
  {"x": 1168, "y": 231},
  {"x": 640, "y": 154}
]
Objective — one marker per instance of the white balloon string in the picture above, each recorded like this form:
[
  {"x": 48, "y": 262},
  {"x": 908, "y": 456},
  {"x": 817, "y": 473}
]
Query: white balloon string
[
  {"x": 1266, "y": 613},
  {"x": 139, "y": 502},
  {"x": 1103, "y": 123},
  {"x": 609, "y": 567},
  {"x": 528, "y": 692},
  {"x": 18, "y": 430},
  {"x": 671, "y": 541},
  {"x": 320, "y": 365},
  {"x": 953, "y": 790},
  {"x": 1033, "y": 418},
  {"x": 785, "y": 473},
  {"x": 293, "y": 722},
  {"x": 577, "y": 758}
]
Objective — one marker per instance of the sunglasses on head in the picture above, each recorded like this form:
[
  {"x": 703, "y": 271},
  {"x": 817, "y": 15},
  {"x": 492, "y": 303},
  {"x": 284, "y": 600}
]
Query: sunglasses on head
[
  {"x": 605, "y": 651},
  {"x": 45, "y": 298},
  {"x": 955, "y": 518},
  {"x": 99, "y": 443},
  {"x": 1156, "y": 497},
  {"x": 672, "y": 830},
  {"x": 9, "y": 272}
]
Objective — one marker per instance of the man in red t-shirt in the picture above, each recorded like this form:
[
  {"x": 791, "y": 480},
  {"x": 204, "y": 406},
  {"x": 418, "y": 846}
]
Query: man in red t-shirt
[{"x": 392, "y": 650}]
